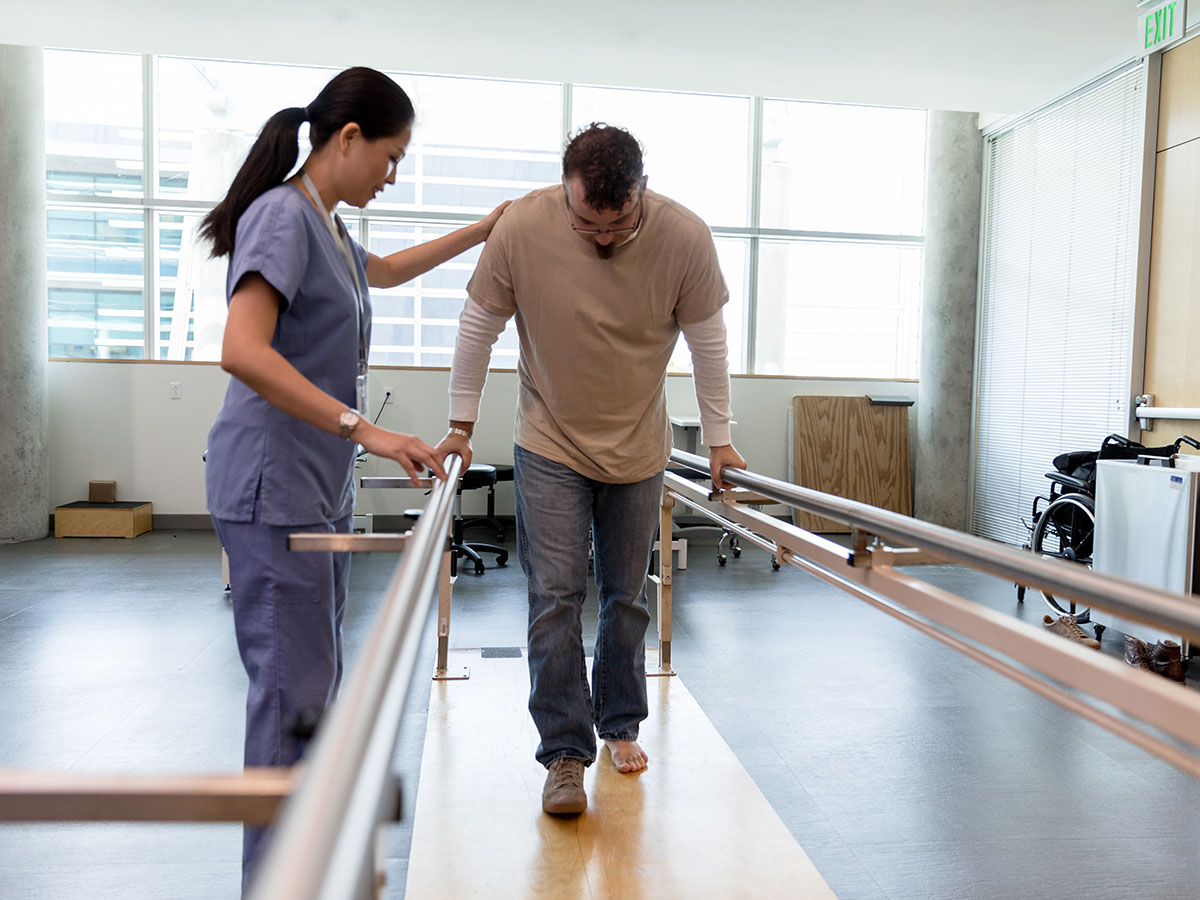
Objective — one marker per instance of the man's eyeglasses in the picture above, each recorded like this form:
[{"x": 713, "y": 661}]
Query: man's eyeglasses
[{"x": 629, "y": 229}]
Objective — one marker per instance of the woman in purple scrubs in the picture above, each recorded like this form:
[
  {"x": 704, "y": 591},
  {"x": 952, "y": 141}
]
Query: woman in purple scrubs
[{"x": 281, "y": 452}]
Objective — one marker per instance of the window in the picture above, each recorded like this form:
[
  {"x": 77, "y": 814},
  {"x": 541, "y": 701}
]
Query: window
[
  {"x": 838, "y": 309},
  {"x": 476, "y": 144},
  {"x": 842, "y": 207},
  {"x": 694, "y": 145},
  {"x": 817, "y": 226},
  {"x": 416, "y": 323},
  {"x": 835, "y": 168},
  {"x": 94, "y": 250},
  {"x": 93, "y": 124},
  {"x": 95, "y": 259}
]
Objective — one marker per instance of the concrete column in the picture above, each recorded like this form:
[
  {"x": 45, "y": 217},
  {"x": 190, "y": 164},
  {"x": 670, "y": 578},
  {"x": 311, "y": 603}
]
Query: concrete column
[
  {"x": 953, "y": 190},
  {"x": 24, "y": 392}
]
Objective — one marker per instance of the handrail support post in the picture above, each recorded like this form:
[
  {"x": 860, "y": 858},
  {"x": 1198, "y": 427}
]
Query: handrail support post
[
  {"x": 441, "y": 670},
  {"x": 663, "y": 581}
]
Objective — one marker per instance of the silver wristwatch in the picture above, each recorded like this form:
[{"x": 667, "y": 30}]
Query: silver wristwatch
[{"x": 348, "y": 421}]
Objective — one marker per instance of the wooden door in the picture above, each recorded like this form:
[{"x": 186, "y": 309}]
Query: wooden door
[{"x": 1172, "y": 372}]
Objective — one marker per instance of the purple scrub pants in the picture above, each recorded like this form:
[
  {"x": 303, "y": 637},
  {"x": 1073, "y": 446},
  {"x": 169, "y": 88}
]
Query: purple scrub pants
[{"x": 287, "y": 612}]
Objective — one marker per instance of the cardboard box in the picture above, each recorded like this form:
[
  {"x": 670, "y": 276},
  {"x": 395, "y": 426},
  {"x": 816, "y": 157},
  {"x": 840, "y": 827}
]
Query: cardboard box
[
  {"x": 85, "y": 519},
  {"x": 102, "y": 492}
]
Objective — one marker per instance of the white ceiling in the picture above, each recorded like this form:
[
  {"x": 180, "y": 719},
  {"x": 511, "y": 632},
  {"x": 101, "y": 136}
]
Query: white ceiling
[{"x": 990, "y": 56}]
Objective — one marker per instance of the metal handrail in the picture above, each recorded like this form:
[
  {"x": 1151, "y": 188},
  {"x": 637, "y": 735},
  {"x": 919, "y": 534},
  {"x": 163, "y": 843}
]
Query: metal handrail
[
  {"x": 1060, "y": 671},
  {"x": 323, "y": 842},
  {"x": 1146, "y": 412},
  {"x": 1152, "y": 606}
]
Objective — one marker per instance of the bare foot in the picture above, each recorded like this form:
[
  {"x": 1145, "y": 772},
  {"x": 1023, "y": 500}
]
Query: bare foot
[{"x": 627, "y": 756}]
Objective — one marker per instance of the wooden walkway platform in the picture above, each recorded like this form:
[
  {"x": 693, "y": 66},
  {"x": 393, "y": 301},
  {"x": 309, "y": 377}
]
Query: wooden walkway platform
[{"x": 693, "y": 825}]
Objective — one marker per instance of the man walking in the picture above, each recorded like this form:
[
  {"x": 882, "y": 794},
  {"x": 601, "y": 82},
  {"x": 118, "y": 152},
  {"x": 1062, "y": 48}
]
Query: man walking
[{"x": 602, "y": 276}]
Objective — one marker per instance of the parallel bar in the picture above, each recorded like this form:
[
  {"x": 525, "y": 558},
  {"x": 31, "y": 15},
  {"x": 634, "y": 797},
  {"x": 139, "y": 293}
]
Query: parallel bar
[
  {"x": 349, "y": 543},
  {"x": 327, "y": 832},
  {"x": 252, "y": 797},
  {"x": 392, "y": 481},
  {"x": 1180, "y": 759},
  {"x": 1172, "y": 612},
  {"x": 1144, "y": 696},
  {"x": 700, "y": 500}
]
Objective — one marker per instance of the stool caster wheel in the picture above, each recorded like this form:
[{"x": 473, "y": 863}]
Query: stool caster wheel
[
  {"x": 501, "y": 560},
  {"x": 478, "y": 568},
  {"x": 774, "y": 564},
  {"x": 722, "y": 559},
  {"x": 1020, "y": 593},
  {"x": 1100, "y": 629}
]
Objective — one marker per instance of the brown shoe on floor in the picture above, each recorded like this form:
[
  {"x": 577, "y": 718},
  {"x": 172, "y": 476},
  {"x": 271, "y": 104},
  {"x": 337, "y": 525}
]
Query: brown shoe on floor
[
  {"x": 563, "y": 794},
  {"x": 1166, "y": 659},
  {"x": 1066, "y": 626},
  {"x": 1136, "y": 653}
]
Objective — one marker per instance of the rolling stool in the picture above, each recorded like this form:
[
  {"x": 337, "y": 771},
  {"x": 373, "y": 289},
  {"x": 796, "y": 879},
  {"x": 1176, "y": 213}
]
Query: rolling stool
[
  {"x": 503, "y": 473},
  {"x": 476, "y": 476}
]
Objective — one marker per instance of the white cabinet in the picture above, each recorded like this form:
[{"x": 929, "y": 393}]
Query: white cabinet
[{"x": 1145, "y": 532}]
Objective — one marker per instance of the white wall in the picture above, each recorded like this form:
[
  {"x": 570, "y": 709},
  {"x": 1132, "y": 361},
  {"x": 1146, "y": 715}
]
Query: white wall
[{"x": 115, "y": 421}]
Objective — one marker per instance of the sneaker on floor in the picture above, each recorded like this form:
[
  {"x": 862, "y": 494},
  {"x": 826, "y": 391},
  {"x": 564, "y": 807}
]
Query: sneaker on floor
[
  {"x": 1066, "y": 626},
  {"x": 563, "y": 794}
]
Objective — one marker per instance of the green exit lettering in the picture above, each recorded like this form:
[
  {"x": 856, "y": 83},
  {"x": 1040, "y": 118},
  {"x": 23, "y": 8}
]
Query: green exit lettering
[{"x": 1160, "y": 26}]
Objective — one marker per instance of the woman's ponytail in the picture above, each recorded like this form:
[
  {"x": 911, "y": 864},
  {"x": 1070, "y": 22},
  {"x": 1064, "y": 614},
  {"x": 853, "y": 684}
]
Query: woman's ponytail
[
  {"x": 371, "y": 99},
  {"x": 268, "y": 163}
]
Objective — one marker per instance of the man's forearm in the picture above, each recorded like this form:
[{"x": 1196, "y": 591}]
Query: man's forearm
[
  {"x": 710, "y": 373},
  {"x": 477, "y": 332}
]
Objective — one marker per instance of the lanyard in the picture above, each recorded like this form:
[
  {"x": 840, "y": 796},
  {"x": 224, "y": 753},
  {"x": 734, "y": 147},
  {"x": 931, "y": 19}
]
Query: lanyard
[{"x": 343, "y": 244}]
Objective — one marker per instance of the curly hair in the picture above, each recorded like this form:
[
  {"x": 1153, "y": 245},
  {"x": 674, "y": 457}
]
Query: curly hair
[{"x": 608, "y": 159}]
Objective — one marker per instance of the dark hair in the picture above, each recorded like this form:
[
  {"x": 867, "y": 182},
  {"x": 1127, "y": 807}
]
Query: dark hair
[
  {"x": 361, "y": 95},
  {"x": 608, "y": 160}
]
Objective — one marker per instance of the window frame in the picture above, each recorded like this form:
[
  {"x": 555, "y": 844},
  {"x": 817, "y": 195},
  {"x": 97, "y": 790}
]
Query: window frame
[{"x": 153, "y": 203}]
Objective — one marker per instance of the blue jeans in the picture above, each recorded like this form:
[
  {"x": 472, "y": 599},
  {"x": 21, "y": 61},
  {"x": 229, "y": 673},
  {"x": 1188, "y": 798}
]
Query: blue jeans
[
  {"x": 557, "y": 508},
  {"x": 287, "y": 613}
]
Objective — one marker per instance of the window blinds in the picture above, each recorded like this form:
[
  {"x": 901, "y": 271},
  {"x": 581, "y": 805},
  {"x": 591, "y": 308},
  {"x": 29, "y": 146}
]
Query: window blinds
[{"x": 1056, "y": 309}]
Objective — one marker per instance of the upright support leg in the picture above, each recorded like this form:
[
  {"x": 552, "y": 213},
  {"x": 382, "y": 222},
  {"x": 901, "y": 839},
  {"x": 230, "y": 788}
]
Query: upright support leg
[
  {"x": 663, "y": 580},
  {"x": 445, "y": 593}
]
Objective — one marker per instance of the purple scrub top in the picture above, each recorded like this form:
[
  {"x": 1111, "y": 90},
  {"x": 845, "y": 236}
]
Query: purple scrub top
[{"x": 304, "y": 474}]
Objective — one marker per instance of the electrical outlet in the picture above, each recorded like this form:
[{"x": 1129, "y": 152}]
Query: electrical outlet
[{"x": 175, "y": 391}]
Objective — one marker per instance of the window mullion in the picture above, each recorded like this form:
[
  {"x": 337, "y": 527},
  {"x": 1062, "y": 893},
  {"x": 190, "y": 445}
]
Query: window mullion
[
  {"x": 750, "y": 323},
  {"x": 150, "y": 329}
]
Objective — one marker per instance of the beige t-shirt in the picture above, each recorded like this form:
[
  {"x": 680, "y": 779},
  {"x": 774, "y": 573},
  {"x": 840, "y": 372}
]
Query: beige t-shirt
[{"x": 596, "y": 334}]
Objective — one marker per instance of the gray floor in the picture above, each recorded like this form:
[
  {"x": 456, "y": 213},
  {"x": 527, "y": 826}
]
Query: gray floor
[{"x": 903, "y": 769}]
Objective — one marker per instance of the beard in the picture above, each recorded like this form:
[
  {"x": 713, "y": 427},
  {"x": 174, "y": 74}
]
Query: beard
[{"x": 605, "y": 251}]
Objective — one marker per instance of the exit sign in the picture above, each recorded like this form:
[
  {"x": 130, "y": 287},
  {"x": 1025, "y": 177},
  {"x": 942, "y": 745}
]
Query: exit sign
[{"x": 1162, "y": 26}]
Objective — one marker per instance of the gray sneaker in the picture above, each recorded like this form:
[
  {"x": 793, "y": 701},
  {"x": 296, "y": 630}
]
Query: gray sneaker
[
  {"x": 1067, "y": 627},
  {"x": 563, "y": 794}
]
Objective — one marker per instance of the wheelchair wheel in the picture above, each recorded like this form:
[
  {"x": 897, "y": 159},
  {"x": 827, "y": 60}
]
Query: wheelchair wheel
[{"x": 1065, "y": 530}]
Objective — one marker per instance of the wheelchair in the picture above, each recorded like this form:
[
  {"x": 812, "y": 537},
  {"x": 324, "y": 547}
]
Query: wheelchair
[{"x": 1064, "y": 523}]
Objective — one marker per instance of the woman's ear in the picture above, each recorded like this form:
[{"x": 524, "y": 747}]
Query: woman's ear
[{"x": 349, "y": 134}]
